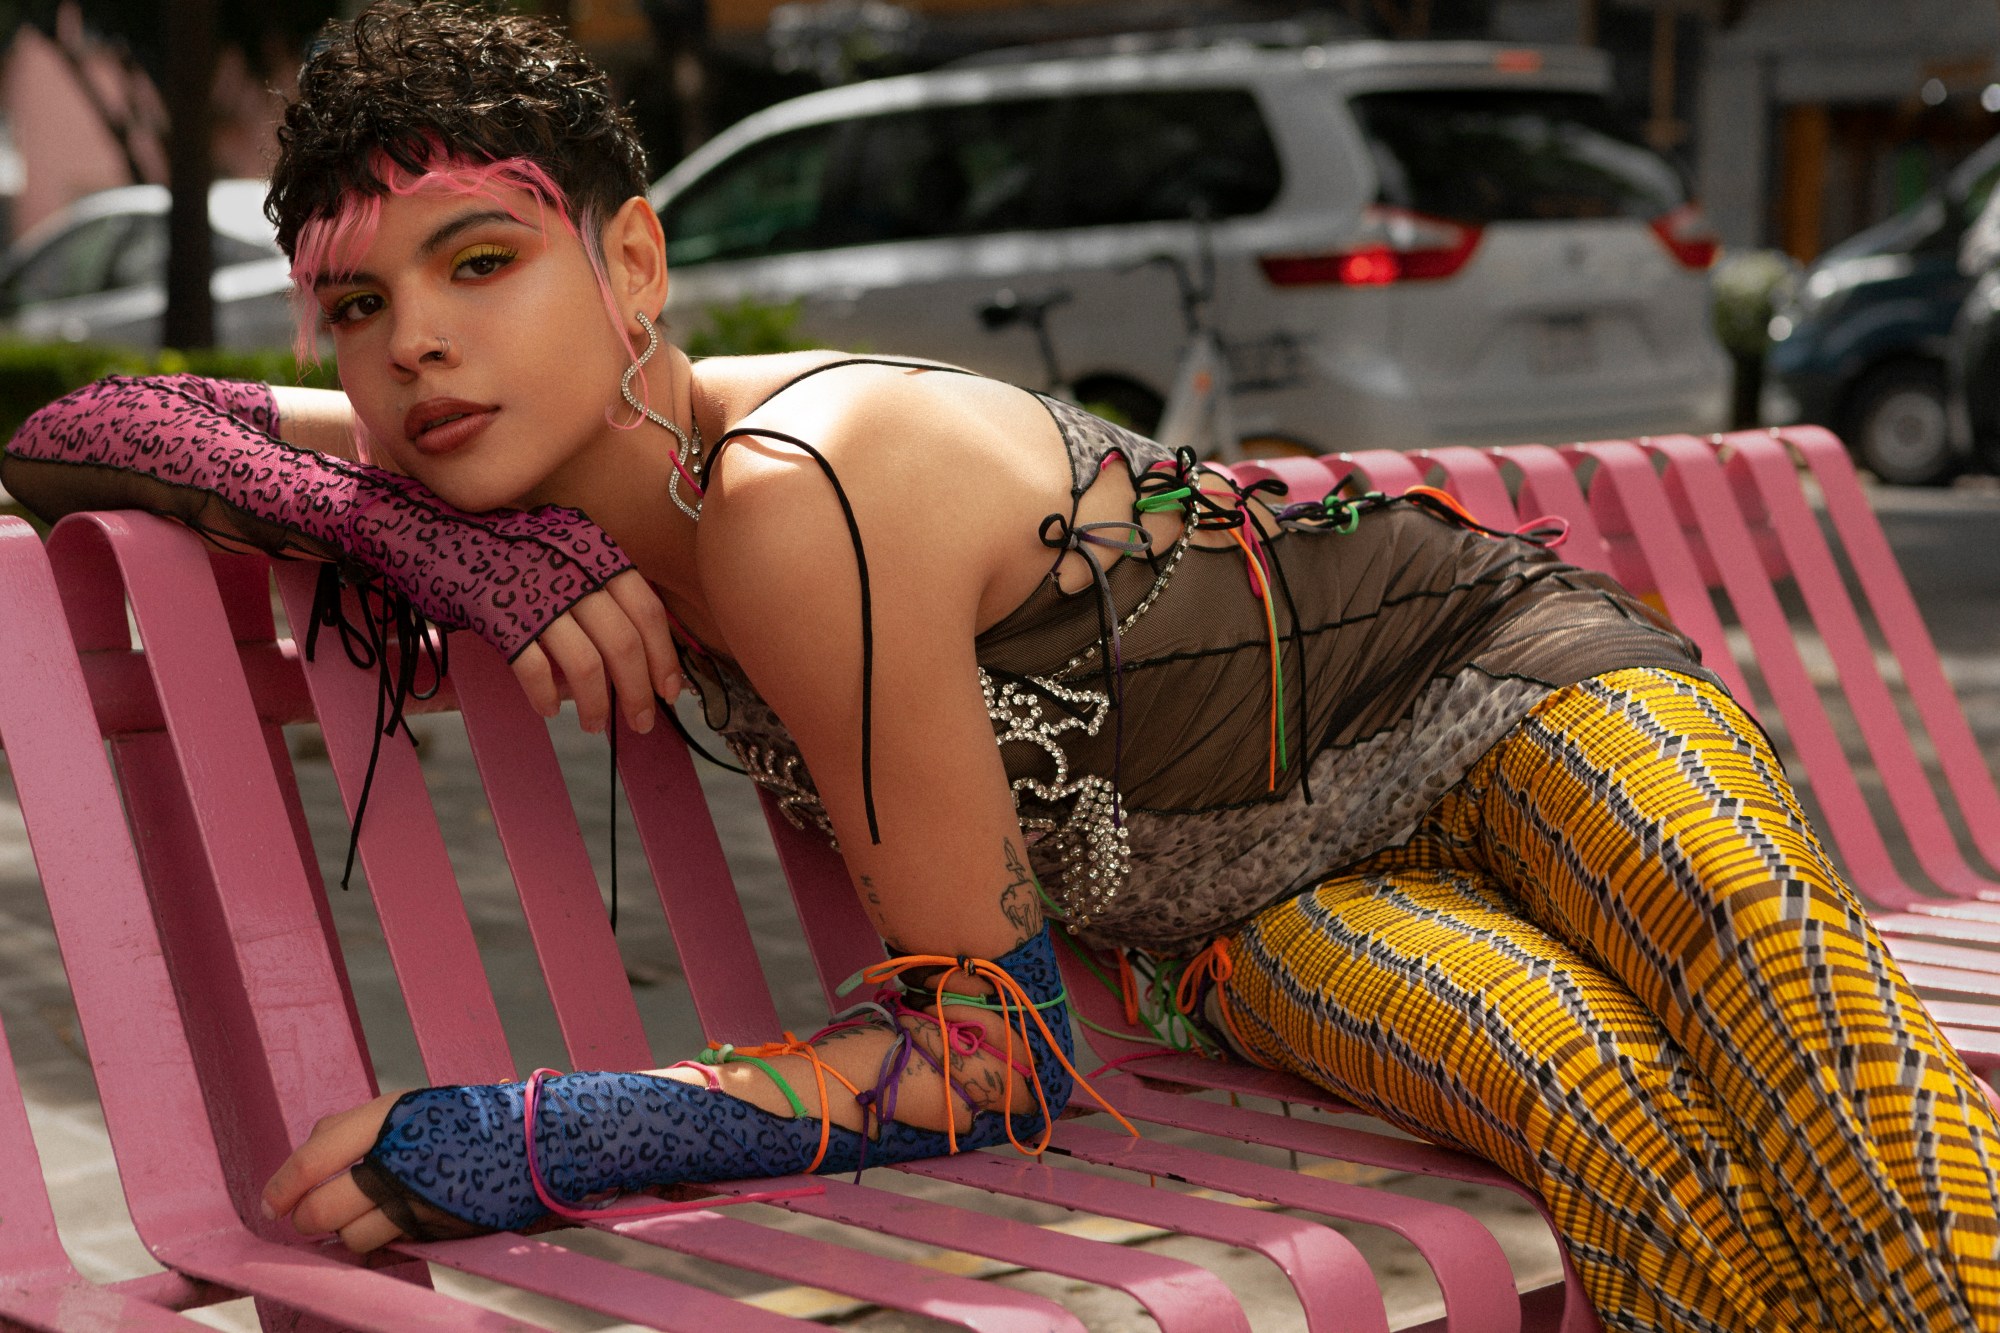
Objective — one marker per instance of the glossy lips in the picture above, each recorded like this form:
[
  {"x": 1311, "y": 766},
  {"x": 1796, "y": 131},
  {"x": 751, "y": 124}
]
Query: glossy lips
[{"x": 439, "y": 425}]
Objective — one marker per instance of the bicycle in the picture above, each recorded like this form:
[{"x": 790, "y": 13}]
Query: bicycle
[{"x": 1198, "y": 414}]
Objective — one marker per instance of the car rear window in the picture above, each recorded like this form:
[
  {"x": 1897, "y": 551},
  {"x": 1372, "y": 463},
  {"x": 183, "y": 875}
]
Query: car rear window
[
  {"x": 1159, "y": 156},
  {"x": 943, "y": 171},
  {"x": 1503, "y": 155}
]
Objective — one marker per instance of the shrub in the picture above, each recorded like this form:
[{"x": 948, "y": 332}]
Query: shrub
[
  {"x": 747, "y": 328},
  {"x": 34, "y": 374}
]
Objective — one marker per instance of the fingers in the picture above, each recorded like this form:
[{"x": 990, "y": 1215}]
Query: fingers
[
  {"x": 622, "y": 651},
  {"x": 336, "y": 1143},
  {"x": 334, "y": 1205},
  {"x": 371, "y": 1231},
  {"x": 569, "y": 648},
  {"x": 635, "y": 596},
  {"x": 613, "y": 642},
  {"x": 538, "y": 680}
]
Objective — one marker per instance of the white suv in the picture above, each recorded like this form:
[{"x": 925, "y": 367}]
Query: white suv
[{"x": 1415, "y": 243}]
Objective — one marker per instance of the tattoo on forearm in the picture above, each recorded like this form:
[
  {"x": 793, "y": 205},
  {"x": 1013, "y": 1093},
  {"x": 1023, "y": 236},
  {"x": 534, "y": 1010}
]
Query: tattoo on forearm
[{"x": 1021, "y": 899}]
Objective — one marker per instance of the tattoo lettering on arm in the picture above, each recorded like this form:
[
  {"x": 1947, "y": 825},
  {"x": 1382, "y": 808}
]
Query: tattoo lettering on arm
[
  {"x": 871, "y": 899},
  {"x": 1021, "y": 899}
]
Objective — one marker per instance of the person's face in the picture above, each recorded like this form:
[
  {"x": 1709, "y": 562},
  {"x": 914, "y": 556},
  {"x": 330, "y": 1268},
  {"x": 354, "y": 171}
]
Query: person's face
[{"x": 475, "y": 348}]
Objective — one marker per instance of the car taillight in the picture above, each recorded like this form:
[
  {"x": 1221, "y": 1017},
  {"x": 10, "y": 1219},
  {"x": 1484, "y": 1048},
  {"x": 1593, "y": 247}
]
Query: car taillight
[
  {"x": 1395, "y": 245},
  {"x": 1688, "y": 237}
]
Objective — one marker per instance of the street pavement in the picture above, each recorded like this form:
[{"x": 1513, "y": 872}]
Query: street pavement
[{"x": 1948, "y": 541}]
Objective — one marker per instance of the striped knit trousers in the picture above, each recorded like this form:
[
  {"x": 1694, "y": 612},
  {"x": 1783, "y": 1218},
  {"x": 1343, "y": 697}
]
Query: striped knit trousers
[{"x": 1616, "y": 961}]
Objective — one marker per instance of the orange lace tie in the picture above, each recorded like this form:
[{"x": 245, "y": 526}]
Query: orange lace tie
[
  {"x": 1128, "y": 988},
  {"x": 1211, "y": 964},
  {"x": 1011, "y": 997},
  {"x": 1448, "y": 500},
  {"x": 791, "y": 1045}
]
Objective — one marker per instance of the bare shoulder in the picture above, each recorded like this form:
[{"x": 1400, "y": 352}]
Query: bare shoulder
[{"x": 935, "y": 477}]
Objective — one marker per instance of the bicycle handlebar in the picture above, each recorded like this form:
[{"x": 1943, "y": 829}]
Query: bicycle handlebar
[{"x": 1008, "y": 308}]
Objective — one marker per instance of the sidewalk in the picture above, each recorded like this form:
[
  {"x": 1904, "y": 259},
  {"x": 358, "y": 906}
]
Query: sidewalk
[{"x": 1960, "y": 603}]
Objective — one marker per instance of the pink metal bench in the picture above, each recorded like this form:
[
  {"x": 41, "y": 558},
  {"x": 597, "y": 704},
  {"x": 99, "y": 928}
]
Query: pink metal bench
[{"x": 212, "y": 989}]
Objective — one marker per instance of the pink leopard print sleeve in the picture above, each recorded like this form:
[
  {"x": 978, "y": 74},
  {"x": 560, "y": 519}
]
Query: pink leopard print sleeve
[{"x": 205, "y": 452}]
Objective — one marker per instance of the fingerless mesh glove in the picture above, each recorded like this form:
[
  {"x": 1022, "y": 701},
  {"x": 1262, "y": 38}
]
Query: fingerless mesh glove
[{"x": 204, "y": 451}]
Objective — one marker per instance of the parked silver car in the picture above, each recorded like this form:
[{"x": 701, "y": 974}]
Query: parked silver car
[
  {"x": 1416, "y": 243},
  {"x": 97, "y": 271}
]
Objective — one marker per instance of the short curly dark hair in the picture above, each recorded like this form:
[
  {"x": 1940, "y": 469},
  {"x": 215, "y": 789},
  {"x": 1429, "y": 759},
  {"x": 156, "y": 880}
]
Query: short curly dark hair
[{"x": 411, "y": 82}]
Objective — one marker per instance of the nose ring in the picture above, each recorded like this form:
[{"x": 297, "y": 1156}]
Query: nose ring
[{"x": 443, "y": 349}]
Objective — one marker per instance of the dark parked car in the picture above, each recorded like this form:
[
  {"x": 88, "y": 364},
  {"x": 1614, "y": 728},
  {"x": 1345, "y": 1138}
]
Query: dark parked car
[{"x": 1861, "y": 345}]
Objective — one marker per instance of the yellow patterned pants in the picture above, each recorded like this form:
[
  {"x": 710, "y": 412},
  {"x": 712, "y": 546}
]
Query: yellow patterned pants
[{"x": 1616, "y": 961}]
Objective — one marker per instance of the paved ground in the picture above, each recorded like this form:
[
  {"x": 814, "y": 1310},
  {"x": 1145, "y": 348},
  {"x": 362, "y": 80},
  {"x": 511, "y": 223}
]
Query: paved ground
[{"x": 1949, "y": 542}]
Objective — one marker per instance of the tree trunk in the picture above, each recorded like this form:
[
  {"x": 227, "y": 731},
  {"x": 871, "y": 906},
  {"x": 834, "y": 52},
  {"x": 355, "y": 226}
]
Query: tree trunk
[{"x": 190, "y": 317}]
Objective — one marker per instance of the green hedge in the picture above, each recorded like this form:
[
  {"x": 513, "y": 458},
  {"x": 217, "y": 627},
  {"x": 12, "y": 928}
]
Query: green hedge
[{"x": 33, "y": 374}]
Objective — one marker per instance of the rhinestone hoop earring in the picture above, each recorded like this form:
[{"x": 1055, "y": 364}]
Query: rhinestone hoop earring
[{"x": 689, "y": 448}]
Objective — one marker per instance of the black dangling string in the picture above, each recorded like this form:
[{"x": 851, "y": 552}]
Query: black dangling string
[
  {"x": 673, "y": 716},
  {"x": 1058, "y": 533},
  {"x": 368, "y": 645},
  {"x": 1305, "y": 680},
  {"x": 1278, "y": 489},
  {"x": 867, "y": 606}
]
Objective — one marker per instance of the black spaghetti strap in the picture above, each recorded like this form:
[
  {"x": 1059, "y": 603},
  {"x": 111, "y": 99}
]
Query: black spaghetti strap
[
  {"x": 867, "y": 603},
  {"x": 860, "y": 361}
]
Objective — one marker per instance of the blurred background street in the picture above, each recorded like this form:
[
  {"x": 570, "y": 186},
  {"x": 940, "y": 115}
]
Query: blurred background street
[{"x": 1250, "y": 226}]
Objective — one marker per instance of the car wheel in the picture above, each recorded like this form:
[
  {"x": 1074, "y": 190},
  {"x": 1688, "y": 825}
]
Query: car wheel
[{"x": 1901, "y": 429}]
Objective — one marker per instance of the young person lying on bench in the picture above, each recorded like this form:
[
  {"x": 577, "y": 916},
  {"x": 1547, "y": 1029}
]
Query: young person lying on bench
[{"x": 1461, "y": 833}]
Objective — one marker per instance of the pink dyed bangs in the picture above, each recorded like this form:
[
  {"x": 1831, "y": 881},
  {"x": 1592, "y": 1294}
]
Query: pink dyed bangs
[{"x": 332, "y": 246}]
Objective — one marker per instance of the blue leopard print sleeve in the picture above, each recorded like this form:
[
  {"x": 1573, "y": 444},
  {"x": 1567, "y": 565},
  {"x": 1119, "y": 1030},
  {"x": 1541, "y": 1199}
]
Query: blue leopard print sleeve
[{"x": 463, "y": 1150}]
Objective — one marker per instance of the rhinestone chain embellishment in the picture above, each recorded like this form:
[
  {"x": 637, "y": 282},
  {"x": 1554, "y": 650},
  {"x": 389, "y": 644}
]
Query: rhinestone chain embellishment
[{"x": 1092, "y": 851}]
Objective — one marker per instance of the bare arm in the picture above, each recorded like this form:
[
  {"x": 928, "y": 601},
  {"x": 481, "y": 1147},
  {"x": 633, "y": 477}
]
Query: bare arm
[
  {"x": 248, "y": 466},
  {"x": 949, "y": 875},
  {"x": 318, "y": 419}
]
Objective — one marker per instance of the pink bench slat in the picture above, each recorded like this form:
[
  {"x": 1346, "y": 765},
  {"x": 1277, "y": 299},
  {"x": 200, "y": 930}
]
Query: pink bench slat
[
  {"x": 1650, "y": 552},
  {"x": 1328, "y": 1275},
  {"x": 552, "y": 873},
  {"x": 1304, "y": 478},
  {"x": 174, "y": 1178},
  {"x": 1472, "y": 476},
  {"x": 1903, "y": 628},
  {"x": 731, "y": 996},
  {"x": 1762, "y": 463},
  {"x": 598, "y": 1284},
  {"x": 1181, "y": 1297},
  {"x": 266, "y": 907},
  {"x": 723, "y": 1239},
  {"x": 1848, "y": 821},
  {"x": 842, "y": 940},
  {"x": 1471, "y": 1271},
  {"x": 1548, "y": 487},
  {"x": 1386, "y": 470},
  {"x": 409, "y": 873}
]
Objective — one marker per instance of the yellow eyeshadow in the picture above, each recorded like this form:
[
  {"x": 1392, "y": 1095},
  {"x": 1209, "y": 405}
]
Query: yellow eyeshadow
[{"x": 484, "y": 250}]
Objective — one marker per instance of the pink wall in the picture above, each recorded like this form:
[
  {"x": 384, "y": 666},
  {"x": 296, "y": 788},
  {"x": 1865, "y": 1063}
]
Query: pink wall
[{"x": 64, "y": 145}]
